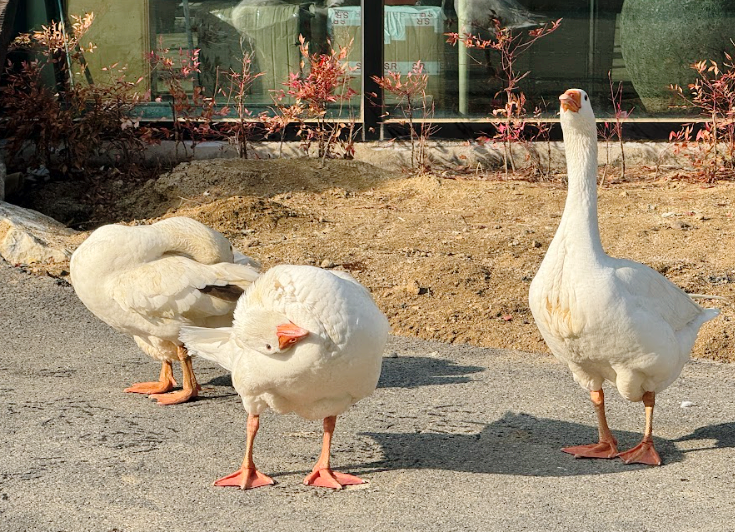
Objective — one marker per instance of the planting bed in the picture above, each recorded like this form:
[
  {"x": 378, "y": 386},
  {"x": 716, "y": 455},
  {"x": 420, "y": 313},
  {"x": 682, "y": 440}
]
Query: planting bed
[{"x": 448, "y": 258}]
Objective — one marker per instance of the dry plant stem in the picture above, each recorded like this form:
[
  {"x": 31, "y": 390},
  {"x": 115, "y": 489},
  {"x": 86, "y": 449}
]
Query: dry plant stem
[
  {"x": 713, "y": 94},
  {"x": 314, "y": 93},
  {"x": 408, "y": 90},
  {"x": 622, "y": 156},
  {"x": 510, "y": 46},
  {"x": 411, "y": 131},
  {"x": 616, "y": 130}
]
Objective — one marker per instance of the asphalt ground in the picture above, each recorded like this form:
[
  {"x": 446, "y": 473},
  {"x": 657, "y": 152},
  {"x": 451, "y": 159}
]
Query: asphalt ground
[{"x": 454, "y": 438}]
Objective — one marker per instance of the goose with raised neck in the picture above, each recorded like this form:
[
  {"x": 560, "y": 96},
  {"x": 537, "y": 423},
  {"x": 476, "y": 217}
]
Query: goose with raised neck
[{"x": 608, "y": 319}]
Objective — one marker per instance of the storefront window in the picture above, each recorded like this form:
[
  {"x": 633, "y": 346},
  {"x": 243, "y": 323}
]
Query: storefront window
[
  {"x": 468, "y": 82},
  {"x": 267, "y": 31},
  {"x": 645, "y": 45}
]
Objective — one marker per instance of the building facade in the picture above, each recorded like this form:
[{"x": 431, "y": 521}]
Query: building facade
[{"x": 641, "y": 46}]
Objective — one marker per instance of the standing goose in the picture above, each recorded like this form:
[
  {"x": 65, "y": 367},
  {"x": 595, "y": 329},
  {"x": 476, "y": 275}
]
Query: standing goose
[
  {"x": 149, "y": 280},
  {"x": 303, "y": 340},
  {"x": 607, "y": 318}
]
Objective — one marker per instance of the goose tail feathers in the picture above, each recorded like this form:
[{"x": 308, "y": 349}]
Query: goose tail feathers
[{"x": 211, "y": 344}]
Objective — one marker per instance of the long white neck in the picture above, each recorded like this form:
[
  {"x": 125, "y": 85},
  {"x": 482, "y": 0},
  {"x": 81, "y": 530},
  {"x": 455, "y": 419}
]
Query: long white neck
[
  {"x": 183, "y": 236},
  {"x": 580, "y": 211}
]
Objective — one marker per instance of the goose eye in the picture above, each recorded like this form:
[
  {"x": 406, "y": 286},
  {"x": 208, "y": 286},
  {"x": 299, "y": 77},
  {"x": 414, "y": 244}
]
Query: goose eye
[
  {"x": 269, "y": 347},
  {"x": 585, "y": 97}
]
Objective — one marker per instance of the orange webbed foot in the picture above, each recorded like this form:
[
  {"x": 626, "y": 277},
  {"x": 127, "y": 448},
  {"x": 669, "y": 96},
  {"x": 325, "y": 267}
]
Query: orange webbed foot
[
  {"x": 643, "y": 453},
  {"x": 174, "y": 398},
  {"x": 245, "y": 479},
  {"x": 603, "y": 449},
  {"x": 326, "y": 478},
  {"x": 149, "y": 388}
]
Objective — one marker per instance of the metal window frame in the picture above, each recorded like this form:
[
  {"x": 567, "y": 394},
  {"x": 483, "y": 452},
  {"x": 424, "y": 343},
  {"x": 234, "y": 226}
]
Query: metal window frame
[{"x": 372, "y": 13}]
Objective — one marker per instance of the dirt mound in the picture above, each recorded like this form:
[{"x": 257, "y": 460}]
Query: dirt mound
[
  {"x": 238, "y": 215},
  {"x": 194, "y": 184},
  {"x": 265, "y": 178}
]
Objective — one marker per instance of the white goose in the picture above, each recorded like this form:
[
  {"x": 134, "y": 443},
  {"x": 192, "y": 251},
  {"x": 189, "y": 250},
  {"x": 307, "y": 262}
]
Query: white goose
[
  {"x": 607, "y": 318},
  {"x": 303, "y": 340},
  {"x": 149, "y": 280}
]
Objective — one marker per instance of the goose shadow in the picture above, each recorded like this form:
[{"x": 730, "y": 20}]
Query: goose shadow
[
  {"x": 413, "y": 371},
  {"x": 402, "y": 372},
  {"x": 220, "y": 380},
  {"x": 722, "y": 433},
  {"x": 516, "y": 444},
  {"x": 219, "y": 387}
]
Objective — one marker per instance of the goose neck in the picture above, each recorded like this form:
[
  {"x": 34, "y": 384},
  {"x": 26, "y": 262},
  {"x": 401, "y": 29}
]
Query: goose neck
[
  {"x": 197, "y": 243},
  {"x": 580, "y": 211}
]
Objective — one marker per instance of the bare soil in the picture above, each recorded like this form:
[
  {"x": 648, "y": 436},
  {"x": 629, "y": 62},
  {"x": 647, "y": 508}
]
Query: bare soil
[{"x": 447, "y": 259}]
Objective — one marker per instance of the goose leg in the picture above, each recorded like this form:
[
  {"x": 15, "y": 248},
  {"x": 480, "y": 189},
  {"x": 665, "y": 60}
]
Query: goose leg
[
  {"x": 190, "y": 389},
  {"x": 644, "y": 452},
  {"x": 164, "y": 384},
  {"x": 247, "y": 476},
  {"x": 322, "y": 475},
  {"x": 607, "y": 445}
]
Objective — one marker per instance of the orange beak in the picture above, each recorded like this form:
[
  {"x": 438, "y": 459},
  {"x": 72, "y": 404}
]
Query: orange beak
[
  {"x": 571, "y": 100},
  {"x": 289, "y": 334}
]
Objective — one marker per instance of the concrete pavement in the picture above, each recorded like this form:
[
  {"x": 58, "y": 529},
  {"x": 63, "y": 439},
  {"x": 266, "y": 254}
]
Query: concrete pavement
[{"x": 455, "y": 438}]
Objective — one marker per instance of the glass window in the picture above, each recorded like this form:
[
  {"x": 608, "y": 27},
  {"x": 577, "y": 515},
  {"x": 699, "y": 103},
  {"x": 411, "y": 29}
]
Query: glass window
[
  {"x": 468, "y": 82},
  {"x": 207, "y": 40},
  {"x": 120, "y": 32},
  {"x": 224, "y": 31},
  {"x": 643, "y": 44},
  {"x": 646, "y": 46}
]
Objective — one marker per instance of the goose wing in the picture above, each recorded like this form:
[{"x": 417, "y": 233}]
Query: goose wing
[
  {"x": 655, "y": 294},
  {"x": 176, "y": 287}
]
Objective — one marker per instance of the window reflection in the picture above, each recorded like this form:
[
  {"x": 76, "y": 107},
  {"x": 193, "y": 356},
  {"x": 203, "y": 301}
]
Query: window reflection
[
  {"x": 267, "y": 30},
  {"x": 580, "y": 53},
  {"x": 589, "y": 44}
]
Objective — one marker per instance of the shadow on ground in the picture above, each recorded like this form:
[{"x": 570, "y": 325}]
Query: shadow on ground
[
  {"x": 412, "y": 372},
  {"x": 402, "y": 372},
  {"x": 516, "y": 444},
  {"x": 722, "y": 433}
]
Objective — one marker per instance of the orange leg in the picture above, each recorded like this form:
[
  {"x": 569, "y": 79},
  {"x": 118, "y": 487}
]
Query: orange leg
[
  {"x": 247, "y": 476},
  {"x": 644, "y": 452},
  {"x": 607, "y": 445},
  {"x": 164, "y": 384},
  {"x": 190, "y": 389},
  {"x": 322, "y": 475}
]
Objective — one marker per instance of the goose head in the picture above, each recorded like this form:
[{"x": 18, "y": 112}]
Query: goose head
[
  {"x": 267, "y": 332},
  {"x": 576, "y": 112}
]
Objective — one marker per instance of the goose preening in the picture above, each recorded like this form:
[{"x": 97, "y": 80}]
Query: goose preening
[
  {"x": 607, "y": 318},
  {"x": 303, "y": 340},
  {"x": 149, "y": 280}
]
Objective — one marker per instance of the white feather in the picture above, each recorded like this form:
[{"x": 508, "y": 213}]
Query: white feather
[
  {"x": 607, "y": 318},
  {"x": 337, "y": 364},
  {"x": 212, "y": 344},
  {"x": 148, "y": 281}
]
